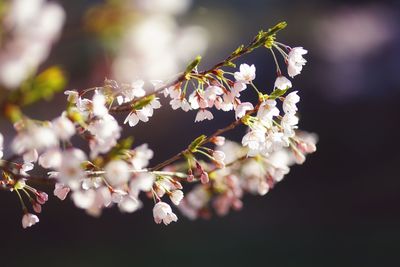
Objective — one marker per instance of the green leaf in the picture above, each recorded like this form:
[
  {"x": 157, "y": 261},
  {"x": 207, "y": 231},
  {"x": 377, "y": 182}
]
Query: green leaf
[
  {"x": 238, "y": 50},
  {"x": 230, "y": 64},
  {"x": 122, "y": 147},
  {"x": 277, "y": 93},
  {"x": 143, "y": 102},
  {"x": 43, "y": 86},
  {"x": 198, "y": 141},
  {"x": 193, "y": 64}
]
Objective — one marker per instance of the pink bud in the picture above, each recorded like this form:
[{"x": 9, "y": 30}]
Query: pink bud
[
  {"x": 218, "y": 140},
  {"x": 299, "y": 157},
  {"x": 36, "y": 207},
  {"x": 41, "y": 197},
  {"x": 204, "y": 178}
]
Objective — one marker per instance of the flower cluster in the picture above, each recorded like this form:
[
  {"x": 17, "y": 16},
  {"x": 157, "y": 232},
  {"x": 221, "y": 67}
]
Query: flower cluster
[
  {"x": 33, "y": 26},
  {"x": 114, "y": 173}
]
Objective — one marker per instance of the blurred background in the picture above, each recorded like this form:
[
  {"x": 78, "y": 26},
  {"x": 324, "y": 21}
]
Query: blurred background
[{"x": 341, "y": 208}]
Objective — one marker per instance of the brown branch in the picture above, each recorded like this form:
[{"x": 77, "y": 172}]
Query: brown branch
[
  {"x": 178, "y": 156},
  {"x": 182, "y": 77}
]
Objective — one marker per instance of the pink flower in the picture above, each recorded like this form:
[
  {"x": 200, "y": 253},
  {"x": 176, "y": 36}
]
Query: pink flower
[
  {"x": 162, "y": 212},
  {"x": 242, "y": 109},
  {"x": 204, "y": 114},
  {"x": 29, "y": 219},
  {"x": 176, "y": 196},
  {"x": 61, "y": 191}
]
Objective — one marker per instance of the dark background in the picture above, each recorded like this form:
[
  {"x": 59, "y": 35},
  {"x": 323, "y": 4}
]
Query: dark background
[{"x": 341, "y": 208}]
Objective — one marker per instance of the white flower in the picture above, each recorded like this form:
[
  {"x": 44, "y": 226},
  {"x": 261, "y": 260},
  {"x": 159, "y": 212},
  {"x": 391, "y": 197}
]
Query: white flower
[
  {"x": 241, "y": 109},
  {"x": 106, "y": 132},
  {"x": 142, "y": 114},
  {"x": 142, "y": 182},
  {"x": 129, "y": 204},
  {"x": 70, "y": 167},
  {"x": 142, "y": 156},
  {"x": 51, "y": 159},
  {"x": 219, "y": 140},
  {"x": 296, "y": 61},
  {"x": 180, "y": 103},
  {"x": 219, "y": 158},
  {"x": 99, "y": 102},
  {"x": 29, "y": 220},
  {"x": 137, "y": 88},
  {"x": 197, "y": 100},
  {"x": 211, "y": 93},
  {"x": 132, "y": 119},
  {"x": 84, "y": 199},
  {"x": 289, "y": 104},
  {"x": 219, "y": 155},
  {"x": 63, "y": 128},
  {"x": 237, "y": 88},
  {"x": 282, "y": 83},
  {"x": 117, "y": 172},
  {"x": 30, "y": 156},
  {"x": 246, "y": 74},
  {"x": 253, "y": 139},
  {"x": 162, "y": 212},
  {"x": 203, "y": 114},
  {"x": 34, "y": 137},
  {"x": 61, "y": 191},
  {"x": 176, "y": 196},
  {"x": 267, "y": 112}
]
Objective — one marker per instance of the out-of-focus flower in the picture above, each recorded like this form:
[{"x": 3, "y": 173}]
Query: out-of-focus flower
[
  {"x": 33, "y": 25},
  {"x": 61, "y": 191},
  {"x": 117, "y": 172},
  {"x": 155, "y": 46}
]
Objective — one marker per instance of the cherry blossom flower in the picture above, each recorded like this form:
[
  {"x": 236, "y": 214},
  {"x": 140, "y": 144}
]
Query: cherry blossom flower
[
  {"x": 181, "y": 103},
  {"x": 84, "y": 199},
  {"x": 282, "y": 83},
  {"x": 106, "y": 132},
  {"x": 203, "y": 114},
  {"x": 246, "y": 74},
  {"x": 29, "y": 220},
  {"x": 70, "y": 167},
  {"x": 51, "y": 159},
  {"x": 63, "y": 128},
  {"x": 176, "y": 196},
  {"x": 141, "y": 157},
  {"x": 142, "y": 182},
  {"x": 289, "y": 104},
  {"x": 33, "y": 26},
  {"x": 117, "y": 172},
  {"x": 219, "y": 157},
  {"x": 267, "y": 112},
  {"x": 129, "y": 204},
  {"x": 242, "y": 108},
  {"x": 253, "y": 139},
  {"x": 296, "y": 61},
  {"x": 99, "y": 102},
  {"x": 34, "y": 137},
  {"x": 162, "y": 212},
  {"x": 61, "y": 191}
]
